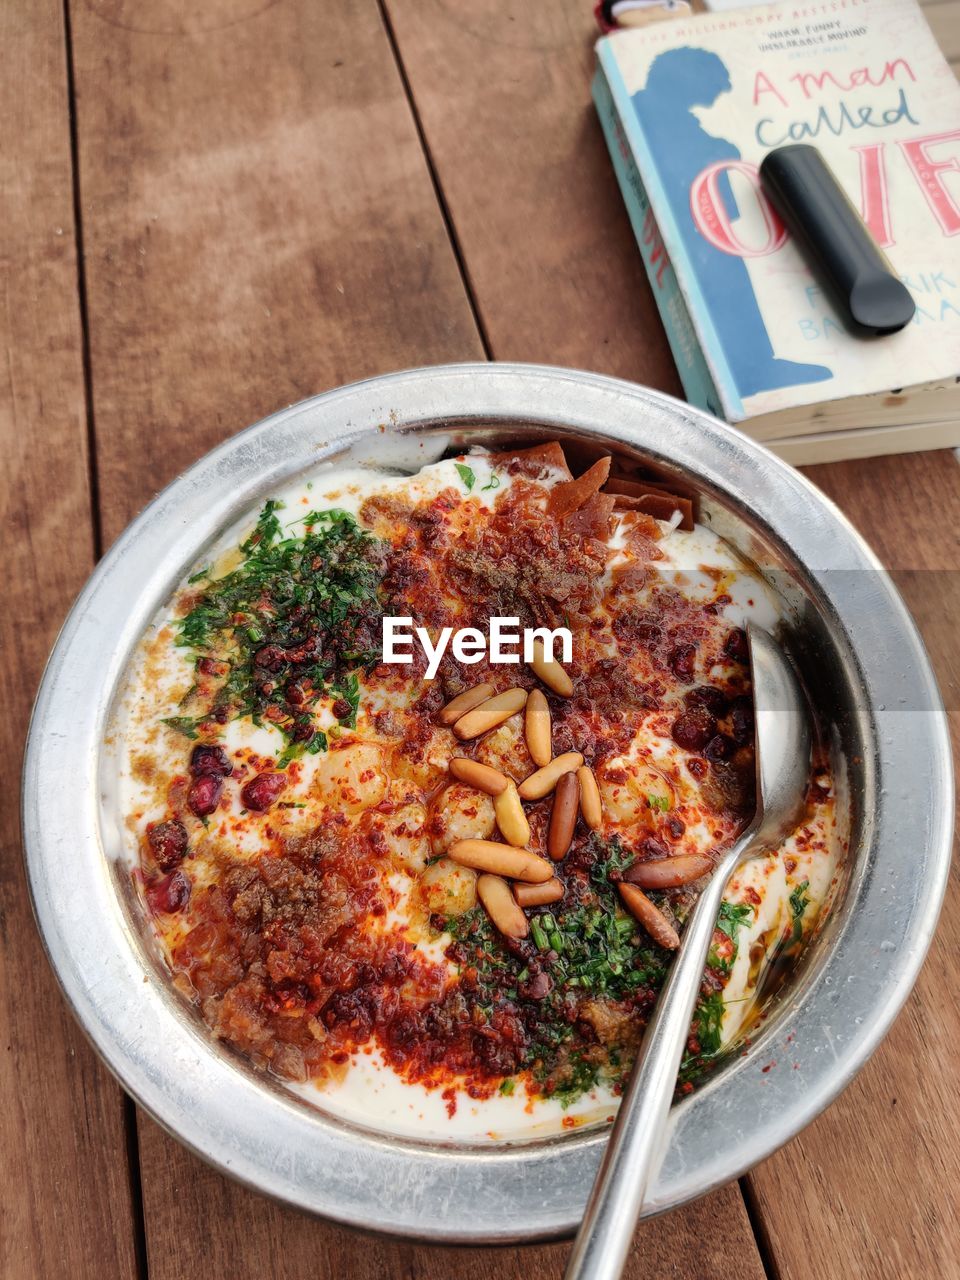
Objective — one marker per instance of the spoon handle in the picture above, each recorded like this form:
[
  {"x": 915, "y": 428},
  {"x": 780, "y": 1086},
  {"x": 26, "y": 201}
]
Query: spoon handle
[{"x": 638, "y": 1137}]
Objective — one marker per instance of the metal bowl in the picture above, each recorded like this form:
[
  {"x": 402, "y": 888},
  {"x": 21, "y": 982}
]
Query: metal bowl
[{"x": 860, "y": 656}]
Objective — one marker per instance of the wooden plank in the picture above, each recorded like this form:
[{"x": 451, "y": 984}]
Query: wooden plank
[
  {"x": 877, "y": 1173},
  {"x": 944, "y": 21},
  {"x": 261, "y": 226},
  {"x": 66, "y": 1207},
  {"x": 503, "y": 91},
  {"x": 247, "y": 1236},
  {"x": 857, "y": 1173}
]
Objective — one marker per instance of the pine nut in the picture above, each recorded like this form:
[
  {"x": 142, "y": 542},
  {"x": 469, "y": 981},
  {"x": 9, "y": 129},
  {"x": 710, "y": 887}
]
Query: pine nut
[
  {"x": 501, "y": 906},
  {"x": 656, "y": 924},
  {"x": 563, "y": 819},
  {"x": 590, "y": 805},
  {"x": 669, "y": 873},
  {"x": 501, "y": 859},
  {"x": 542, "y": 782},
  {"x": 536, "y": 727},
  {"x": 511, "y": 819},
  {"x": 482, "y": 776},
  {"x": 464, "y": 702},
  {"x": 538, "y": 895},
  {"x": 550, "y": 671},
  {"x": 490, "y": 713}
]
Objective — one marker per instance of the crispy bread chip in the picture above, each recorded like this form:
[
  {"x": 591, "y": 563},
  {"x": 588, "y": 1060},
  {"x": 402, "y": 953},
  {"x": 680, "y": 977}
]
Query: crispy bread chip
[
  {"x": 652, "y": 499},
  {"x": 574, "y": 494},
  {"x": 534, "y": 459}
]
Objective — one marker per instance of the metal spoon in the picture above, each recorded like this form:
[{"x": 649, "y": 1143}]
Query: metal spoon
[{"x": 638, "y": 1137}]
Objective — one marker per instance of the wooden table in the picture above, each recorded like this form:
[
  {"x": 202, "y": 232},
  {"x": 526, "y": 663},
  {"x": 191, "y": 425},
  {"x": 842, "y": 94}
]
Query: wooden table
[{"x": 211, "y": 210}]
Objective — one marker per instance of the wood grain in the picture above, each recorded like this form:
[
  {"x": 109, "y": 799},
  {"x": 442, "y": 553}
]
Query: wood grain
[
  {"x": 66, "y": 1208},
  {"x": 944, "y": 19},
  {"x": 260, "y": 226},
  {"x": 872, "y": 1170},
  {"x": 246, "y": 1236},
  {"x": 503, "y": 91},
  {"x": 879, "y": 1171}
]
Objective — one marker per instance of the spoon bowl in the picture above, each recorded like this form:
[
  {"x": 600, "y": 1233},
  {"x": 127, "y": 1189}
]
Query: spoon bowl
[{"x": 638, "y": 1137}]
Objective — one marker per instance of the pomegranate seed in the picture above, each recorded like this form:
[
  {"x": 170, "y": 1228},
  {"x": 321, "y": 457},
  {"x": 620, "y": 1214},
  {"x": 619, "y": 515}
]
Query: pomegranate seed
[
  {"x": 211, "y": 667},
  {"x": 681, "y": 661},
  {"x": 209, "y": 760},
  {"x": 270, "y": 656},
  {"x": 694, "y": 729},
  {"x": 538, "y": 988},
  {"x": 169, "y": 895},
  {"x": 168, "y": 844},
  {"x": 741, "y": 721},
  {"x": 261, "y": 792},
  {"x": 736, "y": 646},
  {"x": 719, "y": 748},
  {"x": 705, "y": 695},
  {"x": 650, "y": 847},
  {"x": 204, "y": 795}
]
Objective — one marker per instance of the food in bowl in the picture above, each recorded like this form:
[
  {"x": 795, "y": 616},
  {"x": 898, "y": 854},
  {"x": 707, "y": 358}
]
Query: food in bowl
[{"x": 448, "y": 903}]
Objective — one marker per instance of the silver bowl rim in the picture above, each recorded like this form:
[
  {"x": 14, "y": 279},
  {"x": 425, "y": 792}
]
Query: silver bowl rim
[{"x": 836, "y": 1013}]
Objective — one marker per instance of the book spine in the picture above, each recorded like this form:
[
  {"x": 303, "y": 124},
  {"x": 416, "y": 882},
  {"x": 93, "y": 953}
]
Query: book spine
[
  {"x": 700, "y": 316},
  {"x": 698, "y": 385}
]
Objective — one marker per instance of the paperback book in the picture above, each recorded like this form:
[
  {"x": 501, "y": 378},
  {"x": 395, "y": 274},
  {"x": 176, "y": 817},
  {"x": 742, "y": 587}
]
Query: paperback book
[{"x": 690, "y": 107}]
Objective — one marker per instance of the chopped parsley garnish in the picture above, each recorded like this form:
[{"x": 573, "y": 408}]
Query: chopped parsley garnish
[
  {"x": 187, "y": 725},
  {"x": 294, "y": 623},
  {"x": 466, "y": 474},
  {"x": 732, "y": 918},
  {"x": 708, "y": 1021},
  {"x": 599, "y": 962},
  {"x": 799, "y": 901},
  {"x": 492, "y": 483},
  {"x": 660, "y": 803}
]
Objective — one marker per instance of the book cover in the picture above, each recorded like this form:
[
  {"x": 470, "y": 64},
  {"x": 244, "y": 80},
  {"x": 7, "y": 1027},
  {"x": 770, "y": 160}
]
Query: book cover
[{"x": 702, "y": 100}]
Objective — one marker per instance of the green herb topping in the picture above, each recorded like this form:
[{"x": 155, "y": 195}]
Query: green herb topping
[
  {"x": 799, "y": 901},
  {"x": 467, "y": 475},
  {"x": 292, "y": 625},
  {"x": 603, "y": 970}
]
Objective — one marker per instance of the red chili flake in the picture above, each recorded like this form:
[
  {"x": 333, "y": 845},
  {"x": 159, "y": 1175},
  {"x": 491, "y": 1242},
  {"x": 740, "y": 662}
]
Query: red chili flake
[{"x": 767, "y": 1067}]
